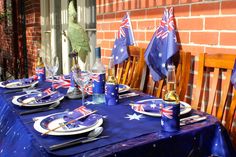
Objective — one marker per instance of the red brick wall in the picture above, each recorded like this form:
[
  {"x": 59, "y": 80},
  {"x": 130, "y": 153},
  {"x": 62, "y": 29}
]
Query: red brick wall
[
  {"x": 33, "y": 32},
  {"x": 202, "y": 26}
]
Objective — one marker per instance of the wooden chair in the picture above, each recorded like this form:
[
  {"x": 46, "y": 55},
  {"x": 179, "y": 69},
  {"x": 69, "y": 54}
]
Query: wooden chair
[
  {"x": 217, "y": 88},
  {"x": 130, "y": 71},
  {"x": 182, "y": 77}
]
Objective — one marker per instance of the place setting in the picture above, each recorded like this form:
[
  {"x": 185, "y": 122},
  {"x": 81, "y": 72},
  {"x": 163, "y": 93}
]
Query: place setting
[
  {"x": 154, "y": 107},
  {"x": 42, "y": 98},
  {"x": 80, "y": 121}
]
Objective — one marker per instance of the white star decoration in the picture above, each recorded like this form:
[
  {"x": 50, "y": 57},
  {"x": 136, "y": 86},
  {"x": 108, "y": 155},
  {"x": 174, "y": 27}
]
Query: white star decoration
[
  {"x": 153, "y": 105},
  {"x": 114, "y": 46},
  {"x": 163, "y": 65},
  {"x": 134, "y": 116},
  {"x": 160, "y": 54},
  {"x": 121, "y": 50},
  {"x": 117, "y": 57}
]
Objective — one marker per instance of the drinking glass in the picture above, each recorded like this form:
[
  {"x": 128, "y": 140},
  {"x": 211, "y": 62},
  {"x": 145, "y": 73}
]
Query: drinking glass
[
  {"x": 51, "y": 65},
  {"x": 82, "y": 78}
]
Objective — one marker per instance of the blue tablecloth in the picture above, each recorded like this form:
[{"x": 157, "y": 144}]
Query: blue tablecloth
[{"x": 127, "y": 136}]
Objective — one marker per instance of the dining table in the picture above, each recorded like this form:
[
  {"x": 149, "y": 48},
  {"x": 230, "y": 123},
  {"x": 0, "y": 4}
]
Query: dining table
[{"x": 128, "y": 132}]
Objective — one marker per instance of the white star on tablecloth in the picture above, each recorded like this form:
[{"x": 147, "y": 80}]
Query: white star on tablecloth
[
  {"x": 153, "y": 105},
  {"x": 134, "y": 116}
]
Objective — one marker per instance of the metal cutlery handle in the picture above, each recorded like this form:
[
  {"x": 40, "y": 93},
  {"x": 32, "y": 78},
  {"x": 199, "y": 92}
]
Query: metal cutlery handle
[
  {"x": 35, "y": 110},
  {"x": 74, "y": 142}
]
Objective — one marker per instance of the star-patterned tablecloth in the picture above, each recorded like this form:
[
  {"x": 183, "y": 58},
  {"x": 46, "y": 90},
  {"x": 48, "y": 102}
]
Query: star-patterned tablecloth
[{"x": 130, "y": 133}]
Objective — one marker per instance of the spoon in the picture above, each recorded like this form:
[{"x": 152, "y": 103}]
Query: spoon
[{"x": 93, "y": 134}]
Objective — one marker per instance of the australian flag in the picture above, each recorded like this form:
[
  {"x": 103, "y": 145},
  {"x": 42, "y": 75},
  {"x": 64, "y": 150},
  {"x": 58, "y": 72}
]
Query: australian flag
[
  {"x": 125, "y": 38},
  {"x": 233, "y": 77},
  {"x": 162, "y": 46}
]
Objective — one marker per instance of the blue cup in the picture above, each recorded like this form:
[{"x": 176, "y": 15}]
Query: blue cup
[
  {"x": 170, "y": 116},
  {"x": 111, "y": 94}
]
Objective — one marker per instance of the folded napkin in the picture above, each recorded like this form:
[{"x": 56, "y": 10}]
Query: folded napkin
[
  {"x": 79, "y": 112},
  {"x": 146, "y": 107}
]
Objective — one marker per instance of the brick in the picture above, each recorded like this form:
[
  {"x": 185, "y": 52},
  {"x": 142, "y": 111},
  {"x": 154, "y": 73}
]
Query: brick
[
  {"x": 139, "y": 36},
  {"x": 99, "y": 35},
  {"x": 151, "y": 3},
  {"x": 127, "y": 5},
  {"x": 204, "y": 38},
  {"x": 120, "y": 15},
  {"x": 143, "y": 25},
  {"x": 228, "y": 7},
  {"x": 182, "y": 37},
  {"x": 105, "y": 61},
  {"x": 155, "y": 13},
  {"x": 221, "y": 23},
  {"x": 228, "y": 39},
  {"x": 220, "y": 50},
  {"x": 120, "y": 6},
  {"x": 205, "y": 9},
  {"x": 143, "y": 4},
  {"x": 190, "y": 1},
  {"x": 190, "y": 24},
  {"x": 181, "y": 11},
  {"x": 109, "y": 17},
  {"x": 105, "y": 44},
  {"x": 195, "y": 50},
  {"x": 114, "y": 25},
  {"x": 109, "y": 35},
  {"x": 107, "y": 53},
  {"x": 138, "y": 14},
  {"x": 108, "y": 8},
  {"x": 105, "y": 26}
]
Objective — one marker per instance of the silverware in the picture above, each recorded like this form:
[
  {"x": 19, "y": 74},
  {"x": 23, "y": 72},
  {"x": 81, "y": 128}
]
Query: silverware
[
  {"x": 42, "y": 109},
  {"x": 78, "y": 142},
  {"x": 128, "y": 95},
  {"x": 192, "y": 119},
  {"x": 93, "y": 134}
]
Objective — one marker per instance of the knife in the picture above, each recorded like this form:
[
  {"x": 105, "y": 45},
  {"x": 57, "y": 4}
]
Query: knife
[
  {"x": 42, "y": 109},
  {"x": 75, "y": 142},
  {"x": 192, "y": 119}
]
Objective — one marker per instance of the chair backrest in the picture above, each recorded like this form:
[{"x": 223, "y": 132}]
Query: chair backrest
[
  {"x": 182, "y": 77},
  {"x": 130, "y": 71},
  {"x": 216, "y": 95}
]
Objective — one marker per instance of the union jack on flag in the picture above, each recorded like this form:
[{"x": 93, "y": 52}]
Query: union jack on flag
[
  {"x": 39, "y": 70},
  {"x": 125, "y": 38},
  {"x": 96, "y": 77},
  {"x": 137, "y": 107},
  {"x": 167, "y": 111},
  {"x": 47, "y": 91},
  {"x": 89, "y": 89},
  {"x": 83, "y": 110},
  {"x": 162, "y": 47}
]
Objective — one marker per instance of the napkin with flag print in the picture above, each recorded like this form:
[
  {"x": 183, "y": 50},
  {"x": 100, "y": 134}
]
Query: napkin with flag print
[
  {"x": 77, "y": 113},
  {"x": 125, "y": 38},
  {"x": 162, "y": 46},
  {"x": 233, "y": 77}
]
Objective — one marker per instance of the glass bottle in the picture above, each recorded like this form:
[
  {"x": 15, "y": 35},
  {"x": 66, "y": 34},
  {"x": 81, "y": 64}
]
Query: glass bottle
[
  {"x": 171, "y": 104},
  {"x": 111, "y": 87},
  {"x": 40, "y": 68},
  {"x": 98, "y": 76}
]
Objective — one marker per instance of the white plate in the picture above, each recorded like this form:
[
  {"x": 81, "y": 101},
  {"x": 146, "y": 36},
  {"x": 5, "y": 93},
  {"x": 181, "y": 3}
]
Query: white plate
[
  {"x": 55, "y": 123},
  {"x": 183, "y": 110},
  {"x": 14, "y": 85},
  {"x": 15, "y": 101},
  {"x": 123, "y": 88}
]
